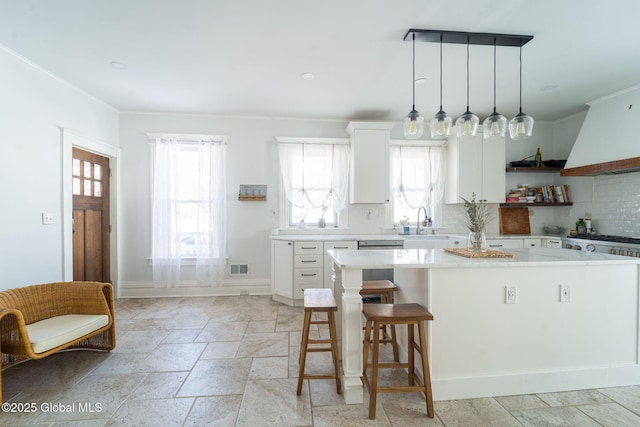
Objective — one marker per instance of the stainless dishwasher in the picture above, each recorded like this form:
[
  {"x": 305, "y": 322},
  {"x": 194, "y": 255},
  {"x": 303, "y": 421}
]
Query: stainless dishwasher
[{"x": 381, "y": 273}]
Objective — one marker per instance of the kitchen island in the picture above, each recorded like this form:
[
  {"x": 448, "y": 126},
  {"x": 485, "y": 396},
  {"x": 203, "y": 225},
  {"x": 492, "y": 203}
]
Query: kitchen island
[{"x": 571, "y": 322}]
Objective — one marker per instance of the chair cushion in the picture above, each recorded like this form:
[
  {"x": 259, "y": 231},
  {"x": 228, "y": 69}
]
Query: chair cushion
[{"x": 55, "y": 331}]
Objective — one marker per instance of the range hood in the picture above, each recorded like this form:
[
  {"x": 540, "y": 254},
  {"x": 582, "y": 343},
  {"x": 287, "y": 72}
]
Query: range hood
[{"x": 609, "y": 140}]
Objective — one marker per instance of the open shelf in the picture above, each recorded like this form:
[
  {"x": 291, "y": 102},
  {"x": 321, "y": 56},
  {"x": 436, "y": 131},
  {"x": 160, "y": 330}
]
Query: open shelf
[
  {"x": 534, "y": 169},
  {"x": 535, "y": 204}
]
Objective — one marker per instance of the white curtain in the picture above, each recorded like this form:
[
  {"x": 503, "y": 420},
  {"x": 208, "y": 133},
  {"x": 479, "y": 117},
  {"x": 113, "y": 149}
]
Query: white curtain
[
  {"x": 188, "y": 210},
  {"x": 315, "y": 174},
  {"x": 420, "y": 177}
]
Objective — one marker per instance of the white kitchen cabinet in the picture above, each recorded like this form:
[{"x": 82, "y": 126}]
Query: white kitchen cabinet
[
  {"x": 552, "y": 242},
  {"x": 302, "y": 264},
  {"x": 282, "y": 271},
  {"x": 505, "y": 243},
  {"x": 369, "y": 172},
  {"x": 532, "y": 243},
  {"x": 475, "y": 165},
  {"x": 308, "y": 267},
  {"x": 328, "y": 263}
]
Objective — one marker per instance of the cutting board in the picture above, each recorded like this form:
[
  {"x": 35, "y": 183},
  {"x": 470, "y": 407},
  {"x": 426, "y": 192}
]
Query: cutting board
[{"x": 514, "y": 221}]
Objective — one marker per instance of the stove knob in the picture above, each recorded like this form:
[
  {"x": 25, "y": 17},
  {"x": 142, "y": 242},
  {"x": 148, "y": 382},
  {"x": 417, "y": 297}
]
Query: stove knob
[
  {"x": 577, "y": 247},
  {"x": 612, "y": 251},
  {"x": 568, "y": 246},
  {"x": 591, "y": 248}
]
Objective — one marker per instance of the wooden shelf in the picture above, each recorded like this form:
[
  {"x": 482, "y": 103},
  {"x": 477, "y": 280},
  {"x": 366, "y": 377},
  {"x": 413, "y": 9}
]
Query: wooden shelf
[
  {"x": 535, "y": 204},
  {"x": 533, "y": 169}
]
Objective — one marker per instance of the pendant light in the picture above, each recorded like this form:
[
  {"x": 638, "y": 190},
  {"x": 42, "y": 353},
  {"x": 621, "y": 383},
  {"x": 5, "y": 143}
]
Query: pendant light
[
  {"x": 441, "y": 122},
  {"x": 521, "y": 126},
  {"x": 467, "y": 123},
  {"x": 495, "y": 124},
  {"x": 413, "y": 123}
]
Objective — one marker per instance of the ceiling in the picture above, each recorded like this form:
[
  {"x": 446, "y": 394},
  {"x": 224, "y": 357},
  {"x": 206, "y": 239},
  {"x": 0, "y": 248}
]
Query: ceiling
[{"x": 230, "y": 57}]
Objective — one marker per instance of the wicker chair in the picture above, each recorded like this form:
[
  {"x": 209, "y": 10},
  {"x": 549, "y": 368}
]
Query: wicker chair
[{"x": 23, "y": 306}]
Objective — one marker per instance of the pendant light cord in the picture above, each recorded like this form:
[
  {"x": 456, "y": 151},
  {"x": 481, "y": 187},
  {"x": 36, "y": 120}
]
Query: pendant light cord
[
  {"x": 441, "y": 36},
  {"x": 413, "y": 80},
  {"x": 494, "y": 75},
  {"x": 468, "y": 73},
  {"x": 521, "y": 77}
]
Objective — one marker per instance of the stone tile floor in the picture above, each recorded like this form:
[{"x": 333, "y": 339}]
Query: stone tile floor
[{"x": 233, "y": 361}]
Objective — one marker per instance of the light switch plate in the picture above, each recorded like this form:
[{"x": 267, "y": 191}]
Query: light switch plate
[{"x": 47, "y": 218}]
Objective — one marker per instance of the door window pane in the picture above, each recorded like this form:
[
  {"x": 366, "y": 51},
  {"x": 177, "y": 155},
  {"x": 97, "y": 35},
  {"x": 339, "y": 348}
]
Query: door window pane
[
  {"x": 87, "y": 187},
  {"x": 76, "y": 184},
  {"x": 97, "y": 188},
  {"x": 76, "y": 168},
  {"x": 87, "y": 169},
  {"x": 97, "y": 172}
]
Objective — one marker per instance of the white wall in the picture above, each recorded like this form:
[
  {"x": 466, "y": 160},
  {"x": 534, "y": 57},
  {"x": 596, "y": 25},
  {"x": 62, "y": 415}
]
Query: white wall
[
  {"x": 251, "y": 159},
  {"x": 35, "y": 107}
]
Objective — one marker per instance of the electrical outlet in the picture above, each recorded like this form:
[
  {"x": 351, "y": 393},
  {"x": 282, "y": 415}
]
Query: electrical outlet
[
  {"x": 47, "y": 218},
  {"x": 509, "y": 294},
  {"x": 565, "y": 293}
]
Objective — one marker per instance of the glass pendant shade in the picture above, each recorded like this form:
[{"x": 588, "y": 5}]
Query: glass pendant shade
[
  {"x": 441, "y": 125},
  {"x": 441, "y": 122},
  {"x": 413, "y": 125},
  {"x": 495, "y": 125},
  {"x": 467, "y": 124},
  {"x": 521, "y": 126}
]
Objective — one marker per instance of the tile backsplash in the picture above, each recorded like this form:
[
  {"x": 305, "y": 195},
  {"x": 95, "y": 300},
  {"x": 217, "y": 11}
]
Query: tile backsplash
[{"x": 615, "y": 206}]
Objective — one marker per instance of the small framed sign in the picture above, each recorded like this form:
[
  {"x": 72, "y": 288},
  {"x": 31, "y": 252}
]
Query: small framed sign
[{"x": 253, "y": 193}]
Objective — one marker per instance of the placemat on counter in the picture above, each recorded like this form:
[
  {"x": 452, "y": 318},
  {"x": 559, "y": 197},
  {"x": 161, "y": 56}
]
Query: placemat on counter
[{"x": 490, "y": 253}]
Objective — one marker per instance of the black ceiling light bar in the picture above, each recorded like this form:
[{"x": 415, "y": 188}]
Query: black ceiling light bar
[{"x": 461, "y": 37}]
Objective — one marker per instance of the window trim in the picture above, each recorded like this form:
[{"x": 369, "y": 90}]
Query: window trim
[
  {"x": 438, "y": 211},
  {"x": 339, "y": 221},
  {"x": 187, "y": 139}
]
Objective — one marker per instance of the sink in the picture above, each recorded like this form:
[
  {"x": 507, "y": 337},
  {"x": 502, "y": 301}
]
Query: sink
[{"x": 433, "y": 242}]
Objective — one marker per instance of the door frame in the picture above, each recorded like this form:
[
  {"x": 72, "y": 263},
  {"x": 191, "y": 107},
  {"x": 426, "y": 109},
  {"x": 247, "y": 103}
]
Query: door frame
[{"x": 72, "y": 139}]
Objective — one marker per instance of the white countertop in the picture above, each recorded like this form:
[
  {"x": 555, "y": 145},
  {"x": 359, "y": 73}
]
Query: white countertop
[
  {"x": 437, "y": 258},
  {"x": 392, "y": 236}
]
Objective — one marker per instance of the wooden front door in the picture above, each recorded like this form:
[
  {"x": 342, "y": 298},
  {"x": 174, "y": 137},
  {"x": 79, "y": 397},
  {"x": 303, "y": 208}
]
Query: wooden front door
[{"x": 90, "y": 216}]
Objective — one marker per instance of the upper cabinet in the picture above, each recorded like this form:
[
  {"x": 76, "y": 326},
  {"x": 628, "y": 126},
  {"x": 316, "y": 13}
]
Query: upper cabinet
[
  {"x": 369, "y": 180},
  {"x": 475, "y": 165}
]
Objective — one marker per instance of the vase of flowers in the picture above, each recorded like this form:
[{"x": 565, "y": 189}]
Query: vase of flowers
[{"x": 477, "y": 216}]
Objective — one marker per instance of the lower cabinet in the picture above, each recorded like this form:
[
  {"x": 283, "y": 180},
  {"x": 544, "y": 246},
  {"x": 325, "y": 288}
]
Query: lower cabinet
[
  {"x": 532, "y": 243},
  {"x": 552, "y": 242},
  {"x": 282, "y": 271},
  {"x": 505, "y": 243},
  {"x": 299, "y": 265},
  {"x": 328, "y": 262}
]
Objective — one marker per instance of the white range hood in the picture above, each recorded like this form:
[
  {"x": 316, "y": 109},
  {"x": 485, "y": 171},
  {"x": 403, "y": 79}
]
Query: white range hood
[{"x": 609, "y": 140}]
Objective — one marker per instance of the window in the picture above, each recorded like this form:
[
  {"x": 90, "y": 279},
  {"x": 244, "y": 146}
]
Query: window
[
  {"x": 315, "y": 178},
  {"x": 188, "y": 207},
  {"x": 417, "y": 180}
]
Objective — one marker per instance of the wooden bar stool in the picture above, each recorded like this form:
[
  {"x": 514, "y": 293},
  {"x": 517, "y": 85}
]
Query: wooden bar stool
[
  {"x": 384, "y": 288},
  {"x": 397, "y": 314},
  {"x": 318, "y": 301}
]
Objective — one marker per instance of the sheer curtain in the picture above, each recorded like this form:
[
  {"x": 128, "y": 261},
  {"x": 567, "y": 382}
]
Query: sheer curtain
[
  {"x": 315, "y": 174},
  {"x": 418, "y": 175},
  {"x": 188, "y": 210}
]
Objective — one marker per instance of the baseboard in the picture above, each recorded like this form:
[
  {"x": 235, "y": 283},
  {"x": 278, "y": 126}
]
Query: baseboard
[{"x": 226, "y": 288}]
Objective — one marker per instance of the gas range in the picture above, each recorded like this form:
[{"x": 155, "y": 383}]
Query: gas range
[{"x": 617, "y": 245}]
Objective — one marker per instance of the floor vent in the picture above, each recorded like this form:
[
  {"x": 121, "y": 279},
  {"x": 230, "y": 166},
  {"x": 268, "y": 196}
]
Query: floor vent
[{"x": 239, "y": 270}]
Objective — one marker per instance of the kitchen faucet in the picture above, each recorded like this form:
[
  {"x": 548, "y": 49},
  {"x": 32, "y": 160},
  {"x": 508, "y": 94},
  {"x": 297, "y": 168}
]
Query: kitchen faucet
[{"x": 422, "y": 208}]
